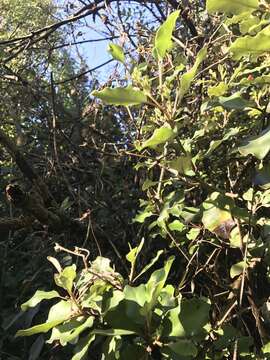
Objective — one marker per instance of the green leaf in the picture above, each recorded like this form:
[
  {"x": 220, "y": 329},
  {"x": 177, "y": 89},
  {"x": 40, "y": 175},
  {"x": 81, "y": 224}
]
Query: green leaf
[
  {"x": 163, "y": 39},
  {"x": 172, "y": 326},
  {"x": 112, "y": 332},
  {"x": 58, "y": 314},
  {"x": 233, "y": 102},
  {"x": 148, "y": 266},
  {"x": 121, "y": 96},
  {"x": 182, "y": 165},
  {"x": 237, "y": 269},
  {"x": 133, "y": 253},
  {"x": 142, "y": 216},
  {"x": 117, "y": 52},
  {"x": 66, "y": 277},
  {"x": 258, "y": 146},
  {"x": 68, "y": 332},
  {"x": 176, "y": 225},
  {"x": 38, "y": 297},
  {"x": 194, "y": 315},
  {"x": 215, "y": 212},
  {"x": 181, "y": 348},
  {"x": 187, "y": 319},
  {"x": 42, "y": 328},
  {"x": 216, "y": 143},
  {"x": 231, "y": 6},
  {"x": 160, "y": 136},
  {"x": 82, "y": 347},
  {"x": 189, "y": 76},
  {"x": 157, "y": 281},
  {"x": 266, "y": 348},
  {"x": 218, "y": 90},
  {"x": 251, "y": 45},
  {"x": 235, "y": 238}
]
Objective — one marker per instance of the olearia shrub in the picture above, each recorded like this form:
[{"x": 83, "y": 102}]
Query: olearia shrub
[{"x": 202, "y": 142}]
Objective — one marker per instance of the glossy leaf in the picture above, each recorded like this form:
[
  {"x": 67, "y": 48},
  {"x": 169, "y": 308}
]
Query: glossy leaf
[
  {"x": 121, "y": 96},
  {"x": 38, "y": 297},
  {"x": 176, "y": 225},
  {"x": 257, "y": 146},
  {"x": 157, "y": 281},
  {"x": 117, "y": 52},
  {"x": 163, "y": 39},
  {"x": 231, "y": 6},
  {"x": 68, "y": 332},
  {"x": 149, "y": 265},
  {"x": 160, "y": 136},
  {"x": 66, "y": 277},
  {"x": 233, "y": 102},
  {"x": 112, "y": 332},
  {"x": 188, "y": 77},
  {"x": 133, "y": 253},
  {"x": 251, "y": 45},
  {"x": 81, "y": 348},
  {"x": 58, "y": 314}
]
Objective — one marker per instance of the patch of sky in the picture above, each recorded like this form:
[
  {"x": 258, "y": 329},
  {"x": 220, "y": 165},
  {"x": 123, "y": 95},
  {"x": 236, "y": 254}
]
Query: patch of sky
[{"x": 88, "y": 40}]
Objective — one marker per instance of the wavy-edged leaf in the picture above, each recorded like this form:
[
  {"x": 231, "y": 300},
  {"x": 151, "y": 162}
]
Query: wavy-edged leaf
[
  {"x": 38, "y": 297},
  {"x": 121, "y": 96},
  {"x": 237, "y": 269},
  {"x": 66, "y": 277},
  {"x": 163, "y": 39},
  {"x": 66, "y": 333},
  {"x": 58, "y": 313},
  {"x": 117, "y": 52},
  {"x": 82, "y": 347},
  {"x": 160, "y": 136},
  {"x": 151, "y": 263},
  {"x": 231, "y": 6},
  {"x": 189, "y": 76},
  {"x": 251, "y": 45},
  {"x": 257, "y": 146}
]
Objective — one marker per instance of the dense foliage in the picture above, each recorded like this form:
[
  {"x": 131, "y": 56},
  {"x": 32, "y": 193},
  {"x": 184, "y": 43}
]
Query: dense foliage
[{"x": 149, "y": 195}]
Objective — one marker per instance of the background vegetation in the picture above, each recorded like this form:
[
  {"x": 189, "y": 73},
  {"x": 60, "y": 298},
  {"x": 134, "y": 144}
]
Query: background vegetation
[{"x": 134, "y": 216}]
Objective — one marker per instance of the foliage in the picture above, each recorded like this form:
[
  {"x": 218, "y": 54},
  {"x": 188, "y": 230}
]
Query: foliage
[{"x": 188, "y": 122}]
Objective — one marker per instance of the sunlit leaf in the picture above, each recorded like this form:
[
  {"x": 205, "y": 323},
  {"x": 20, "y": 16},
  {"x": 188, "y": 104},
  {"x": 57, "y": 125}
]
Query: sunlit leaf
[
  {"x": 142, "y": 216},
  {"x": 258, "y": 146},
  {"x": 217, "y": 216},
  {"x": 157, "y": 281},
  {"x": 231, "y": 6},
  {"x": 133, "y": 253},
  {"x": 149, "y": 265},
  {"x": 66, "y": 333},
  {"x": 160, "y": 136},
  {"x": 218, "y": 90},
  {"x": 66, "y": 277},
  {"x": 38, "y": 297},
  {"x": 176, "y": 225},
  {"x": 117, "y": 52},
  {"x": 233, "y": 102},
  {"x": 188, "y": 77},
  {"x": 82, "y": 347},
  {"x": 237, "y": 269},
  {"x": 163, "y": 39},
  {"x": 251, "y": 45},
  {"x": 58, "y": 314},
  {"x": 121, "y": 96}
]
